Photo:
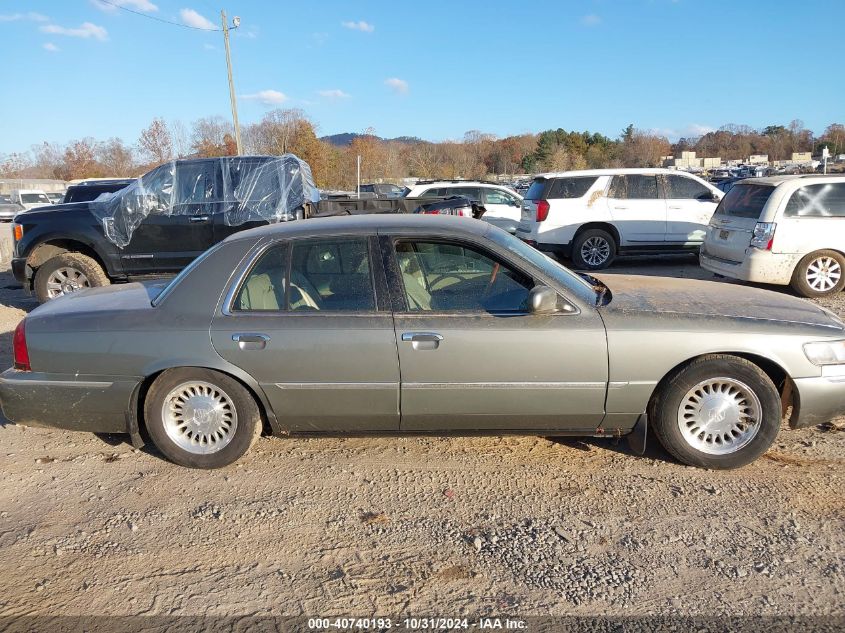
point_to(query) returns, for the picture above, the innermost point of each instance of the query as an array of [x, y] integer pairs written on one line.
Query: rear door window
[[571, 187], [634, 187], [497, 196], [817, 201], [745, 201], [683, 188], [473, 193]]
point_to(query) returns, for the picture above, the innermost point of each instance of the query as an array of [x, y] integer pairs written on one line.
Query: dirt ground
[[418, 526]]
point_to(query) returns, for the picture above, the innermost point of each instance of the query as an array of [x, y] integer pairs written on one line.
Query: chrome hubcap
[[824, 274], [66, 280], [595, 251], [199, 417], [719, 416]]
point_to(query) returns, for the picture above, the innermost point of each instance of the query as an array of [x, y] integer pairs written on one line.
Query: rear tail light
[[764, 235], [542, 210], [19, 345]]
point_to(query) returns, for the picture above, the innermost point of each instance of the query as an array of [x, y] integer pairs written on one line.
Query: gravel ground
[[418, 526]]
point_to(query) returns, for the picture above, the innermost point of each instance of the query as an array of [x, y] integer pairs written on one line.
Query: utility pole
[[359, 176], [235, 23]]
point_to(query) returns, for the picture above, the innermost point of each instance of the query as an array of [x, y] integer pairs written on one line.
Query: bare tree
[[156, 143]]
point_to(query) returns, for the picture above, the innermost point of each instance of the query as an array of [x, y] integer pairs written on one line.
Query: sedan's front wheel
[[717, 412], [201, 418]]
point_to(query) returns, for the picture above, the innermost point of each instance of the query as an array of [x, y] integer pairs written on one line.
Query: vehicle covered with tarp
[[159, 223]]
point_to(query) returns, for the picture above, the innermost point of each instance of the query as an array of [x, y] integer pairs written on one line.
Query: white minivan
[[786, 230], [594, 215]]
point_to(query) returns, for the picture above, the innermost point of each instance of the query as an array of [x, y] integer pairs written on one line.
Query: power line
[[152, 17]]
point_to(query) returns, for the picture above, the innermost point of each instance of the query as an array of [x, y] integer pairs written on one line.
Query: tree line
[[476, 155]]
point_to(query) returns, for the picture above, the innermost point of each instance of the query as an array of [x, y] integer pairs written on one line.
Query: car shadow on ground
[[653, 450]]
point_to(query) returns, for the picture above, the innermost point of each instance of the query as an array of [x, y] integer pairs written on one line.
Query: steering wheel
[[434, 281]]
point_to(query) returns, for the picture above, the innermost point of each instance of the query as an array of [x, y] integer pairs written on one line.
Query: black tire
[[602, 241], [665, 412], [247, 418], [94, 274], [800, 282]]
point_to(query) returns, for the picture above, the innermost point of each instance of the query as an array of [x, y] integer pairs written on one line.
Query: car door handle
[[251, 341], [423, 340], [675, 207], [620, 207], [198, 218]]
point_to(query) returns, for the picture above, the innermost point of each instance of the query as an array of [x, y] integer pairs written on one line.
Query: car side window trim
[[377, 278]]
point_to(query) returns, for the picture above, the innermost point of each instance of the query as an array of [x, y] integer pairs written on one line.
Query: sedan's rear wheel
[[201, 418], [717, 412], [819, 274]]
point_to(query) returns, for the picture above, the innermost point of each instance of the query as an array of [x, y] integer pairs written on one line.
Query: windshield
[[535, 191], [745, 201], [547, 265], [31, 198]]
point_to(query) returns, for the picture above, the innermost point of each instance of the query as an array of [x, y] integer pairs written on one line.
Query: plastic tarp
[[239, 189]]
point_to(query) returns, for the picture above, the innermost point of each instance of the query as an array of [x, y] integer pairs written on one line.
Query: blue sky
[[76, 68]]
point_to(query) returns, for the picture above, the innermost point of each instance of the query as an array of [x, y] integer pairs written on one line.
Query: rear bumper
[[819, 399], [96, 404], [757, 266]]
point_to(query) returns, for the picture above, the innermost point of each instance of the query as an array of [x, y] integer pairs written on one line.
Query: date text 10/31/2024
[[417, 624]]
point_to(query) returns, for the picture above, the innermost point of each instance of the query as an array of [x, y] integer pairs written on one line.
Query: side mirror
[[542, 300]]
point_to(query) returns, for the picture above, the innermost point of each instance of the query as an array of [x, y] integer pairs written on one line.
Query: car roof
[[774, 181], [613, 172], [366, 224]]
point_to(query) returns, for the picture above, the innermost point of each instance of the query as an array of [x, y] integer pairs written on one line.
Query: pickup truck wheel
[[718, 412], [593, 249], [67, 273], [201, 418], [819, 274]]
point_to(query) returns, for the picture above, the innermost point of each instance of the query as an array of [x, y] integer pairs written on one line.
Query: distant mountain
[[346, 138]]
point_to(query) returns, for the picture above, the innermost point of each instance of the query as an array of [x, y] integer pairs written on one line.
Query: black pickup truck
[[157, 224]]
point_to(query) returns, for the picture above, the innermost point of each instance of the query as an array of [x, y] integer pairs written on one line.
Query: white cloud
[[591, 20], [399, 86], [364, 27], [333, 94], [267, 97], [49, 46], [85, 31], [145, 6], [695, 129], [194, 19], [14, 17]]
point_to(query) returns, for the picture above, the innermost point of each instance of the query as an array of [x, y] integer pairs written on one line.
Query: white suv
[[501, 205], [781, 230], [594, 215]]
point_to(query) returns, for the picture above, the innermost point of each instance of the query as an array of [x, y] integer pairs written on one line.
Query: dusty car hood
[[634, 293]]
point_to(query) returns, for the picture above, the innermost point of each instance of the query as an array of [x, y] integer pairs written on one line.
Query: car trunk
[[732, 226]]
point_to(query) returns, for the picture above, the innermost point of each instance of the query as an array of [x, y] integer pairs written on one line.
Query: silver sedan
[[422, 324]]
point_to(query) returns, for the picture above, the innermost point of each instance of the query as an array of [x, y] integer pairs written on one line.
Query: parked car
[[8, 210], [454, 205], [55, 197], [726, 185], [785, 230], [385, 190], [158, 224], [88, 190], [30, 198], [458, 327], [502, 205], [594, 215]]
